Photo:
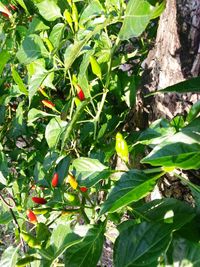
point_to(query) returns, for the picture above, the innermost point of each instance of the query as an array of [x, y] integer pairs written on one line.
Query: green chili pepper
[[121, 147], [25, 261], [30, 240], [41, 210], [95, 67]]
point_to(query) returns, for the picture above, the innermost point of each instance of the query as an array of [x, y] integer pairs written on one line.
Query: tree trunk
[[174, 58]]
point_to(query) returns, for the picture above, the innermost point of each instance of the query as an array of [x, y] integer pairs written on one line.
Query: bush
[[64, 100]]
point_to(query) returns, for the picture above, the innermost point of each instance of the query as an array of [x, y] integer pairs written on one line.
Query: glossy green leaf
[[49, 10], [73, 50], [181, 150], [168, 210], [31, 49], [9, 257], [35, 114], [190, 85], [35, 82], [87, 252], [5, 217], [56, 34], [53, 131], [92, 10], [19, 81], [62, 238], [37, 25], [38, 67], [137, 16], [3, 168], [141, 245], [131, 187], [193, 112], [5, 56], [185, 253], [18, 125], [88, 171]]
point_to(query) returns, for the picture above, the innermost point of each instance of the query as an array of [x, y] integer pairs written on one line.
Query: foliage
[[63, 102]]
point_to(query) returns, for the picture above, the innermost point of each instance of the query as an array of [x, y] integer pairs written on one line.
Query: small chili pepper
[[5, 14], [41, 89], [30, 240], [24, 261], [72, 181], [13, 7], [95, 67], [83, 189], [41, 210], [80, 93], [121, 147], [70, 197], [31, 216], [39, 200], [77, 101], [54, 181], [48, 104]]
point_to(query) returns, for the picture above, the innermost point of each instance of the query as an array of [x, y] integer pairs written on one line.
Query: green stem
[[154, 170]]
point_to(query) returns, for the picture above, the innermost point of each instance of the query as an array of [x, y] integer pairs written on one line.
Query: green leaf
[[194, 112], [18, 126], [73, 50], [37, 25], [168, 210], [141, 245], [63, 238], [94, 9], [137, 16], [5, 217], [35, 114], [38, 67], [31, 49], [188, 86], [19, 81], [3, 168], [49, 10], [35, 82], [42, 232], [185, 253], [131, 187], [9, 257], [56, 34], [88, 251], [5, 56], [53, 131], [62, 169], [88, 171], [181, 150]]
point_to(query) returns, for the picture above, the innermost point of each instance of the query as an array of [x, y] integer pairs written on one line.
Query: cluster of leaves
[[64, 97]]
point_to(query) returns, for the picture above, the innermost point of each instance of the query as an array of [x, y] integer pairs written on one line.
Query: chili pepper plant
[[72, 178]]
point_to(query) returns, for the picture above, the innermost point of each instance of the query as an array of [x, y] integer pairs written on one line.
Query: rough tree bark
[[175, 57]]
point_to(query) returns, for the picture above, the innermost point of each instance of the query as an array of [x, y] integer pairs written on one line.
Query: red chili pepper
[[80, 93], [83, 189], [13, 7], [54, 181], [48, 104], [4, 14], [39, 200], [31, 216]]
